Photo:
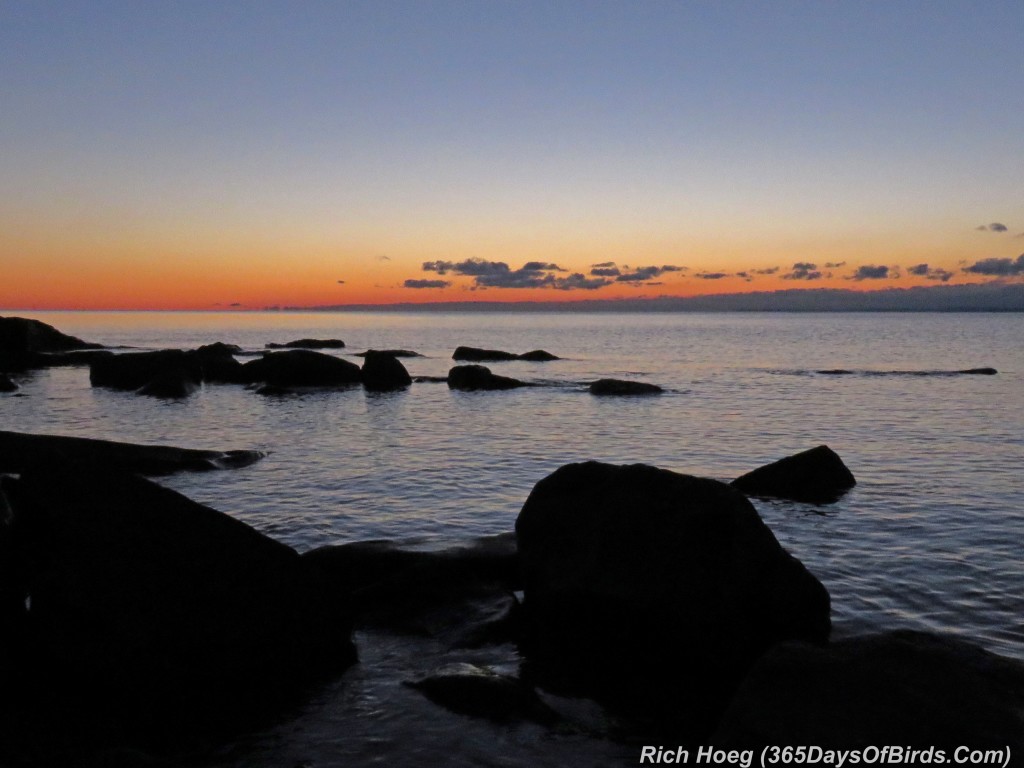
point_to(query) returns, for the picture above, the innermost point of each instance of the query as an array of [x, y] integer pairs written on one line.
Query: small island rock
[[621, 387], [816, 476], [383, 372], [478, 377]]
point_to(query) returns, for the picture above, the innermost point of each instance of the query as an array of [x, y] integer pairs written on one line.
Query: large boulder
[[173, 616], [906, 688], [817, 476], [538, 356], [300, 368], [133, 370], [623, 387], [21, 339], [21, 451], [474, 377], [652, 588], [174, 384], [382, 372], [309, 344], [218, 364]]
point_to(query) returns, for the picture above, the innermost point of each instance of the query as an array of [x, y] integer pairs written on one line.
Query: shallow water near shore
[[929, 539]]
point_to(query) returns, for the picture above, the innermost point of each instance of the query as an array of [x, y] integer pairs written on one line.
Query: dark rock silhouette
[[275, 390], [909, 688], [480, 692], [980, 371], [140, 595], [133, 370], [392, 352], [21, 339], [309, 344], [461, 594], [383, 372], [176, 384], [6, 385], [963, 372], [301, 368], [817, 476], [476, 355], [656, 590], [67, 359], [20, 451], [621, 387], [475, 377], [218, 364]]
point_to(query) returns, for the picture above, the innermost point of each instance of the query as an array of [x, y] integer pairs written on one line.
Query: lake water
[[930, 538]]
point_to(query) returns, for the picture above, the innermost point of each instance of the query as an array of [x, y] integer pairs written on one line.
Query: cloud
[[605, 271], [235, 304], [834, 264], [869, 272], [470, 267], [643, 274], [803, 270], [540, 266], [711, 275], [998, 267], [578, 281], [427, 283], [382, 257], [341, 282], [931, 273], [604, 264], [995, 226], [766, 271]]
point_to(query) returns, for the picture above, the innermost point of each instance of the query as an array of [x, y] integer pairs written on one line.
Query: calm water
[[930, 538]]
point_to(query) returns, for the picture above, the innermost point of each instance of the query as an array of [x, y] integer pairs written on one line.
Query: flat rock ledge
[[20, 451]]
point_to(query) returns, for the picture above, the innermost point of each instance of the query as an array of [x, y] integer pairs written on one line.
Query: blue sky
[[322, 136]]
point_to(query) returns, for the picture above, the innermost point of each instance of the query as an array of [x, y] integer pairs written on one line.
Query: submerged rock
[[621, 387], [6, 384], [474, 377], [139, 595], [170, 385], [301, 368], [22, 339], [20, 451], [480, 692], [383, 372], [133, 370], [654, 589], [391, 352], [817, 476], [476, 355], [309, 344], [908, 688]]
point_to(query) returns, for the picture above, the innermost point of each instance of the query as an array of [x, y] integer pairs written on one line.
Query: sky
[[229, 155]]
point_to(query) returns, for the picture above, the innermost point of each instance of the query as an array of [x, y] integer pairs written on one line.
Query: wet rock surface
[[301, 368], [22, 339], [621, 387], [478, 377], [477, 355], [816, 476], [382, 372]]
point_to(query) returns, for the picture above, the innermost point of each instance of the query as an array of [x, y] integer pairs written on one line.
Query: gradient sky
[[215, 154]]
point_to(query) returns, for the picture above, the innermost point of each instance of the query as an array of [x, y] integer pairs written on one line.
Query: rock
[[474, 377], [392, 352], [480, 692], [310, 344], [21, 339], [6, 385], [170, 385], [980, 371], [476, 355], [301, 368], [461, 594], [218, 363], [140, 595], [652, 589], [133, 370], [621, 387], [67, 359], [20, 451], [817, 476], [274, 390], [383, 372], [912, 689], [538, 356]]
